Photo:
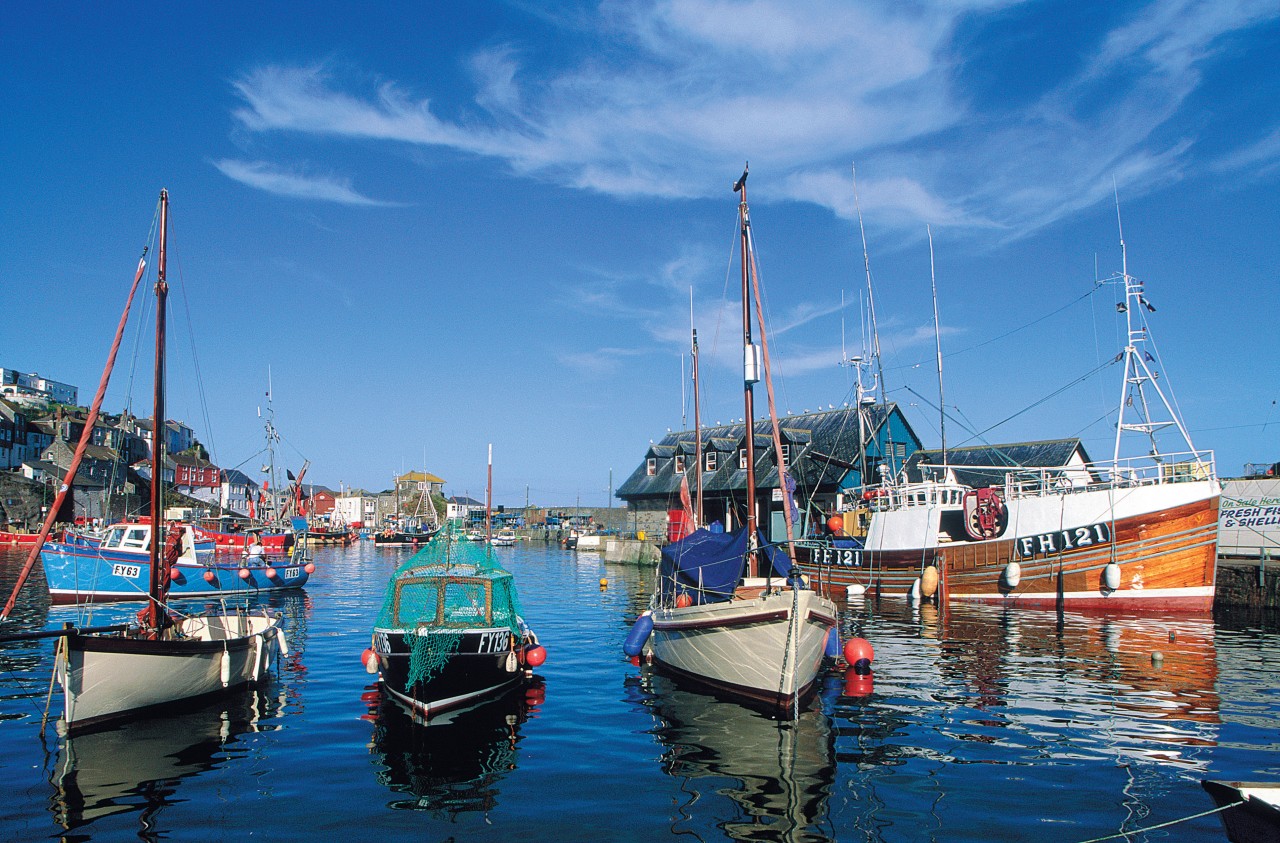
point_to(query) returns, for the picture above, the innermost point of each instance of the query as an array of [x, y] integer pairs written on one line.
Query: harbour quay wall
[[1248, 583]]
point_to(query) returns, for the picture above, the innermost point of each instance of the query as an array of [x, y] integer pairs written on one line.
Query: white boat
[[503, 538], [714, 621], [110, 673]]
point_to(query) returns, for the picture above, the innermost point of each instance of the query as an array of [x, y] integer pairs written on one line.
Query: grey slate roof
[[811, 436], [1049, 453]]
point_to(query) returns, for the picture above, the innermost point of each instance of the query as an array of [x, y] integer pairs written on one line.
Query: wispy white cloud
[[265, 176], [1260, 157], [802, 88]]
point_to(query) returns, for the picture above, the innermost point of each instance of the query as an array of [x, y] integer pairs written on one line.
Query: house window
[[742, 458], [651, 466], [900, 450], [711, 460], [786, 455], [680, 464]]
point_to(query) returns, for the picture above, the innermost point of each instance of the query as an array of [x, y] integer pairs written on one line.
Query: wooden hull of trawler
[[1167, 561]]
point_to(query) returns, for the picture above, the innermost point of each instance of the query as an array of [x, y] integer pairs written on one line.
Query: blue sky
[[443, 225]]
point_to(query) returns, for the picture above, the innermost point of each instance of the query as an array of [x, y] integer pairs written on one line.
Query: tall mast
[[1137, 374], [488, 498], [156, 589], [697, 422], [937, 339], [751, 369]]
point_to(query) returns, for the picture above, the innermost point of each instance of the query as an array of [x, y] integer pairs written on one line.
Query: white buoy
[[915, 590], [224, 669], [1012, 574], [855, 590], [1111, 576]]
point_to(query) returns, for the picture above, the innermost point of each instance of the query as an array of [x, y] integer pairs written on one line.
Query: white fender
[[1111, 576], [224, 669], [855, 590], [1012, 574]]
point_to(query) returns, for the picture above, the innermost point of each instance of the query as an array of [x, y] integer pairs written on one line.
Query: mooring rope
[[1127, 834]]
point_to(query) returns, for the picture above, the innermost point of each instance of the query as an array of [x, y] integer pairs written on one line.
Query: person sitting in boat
[[255, 551]]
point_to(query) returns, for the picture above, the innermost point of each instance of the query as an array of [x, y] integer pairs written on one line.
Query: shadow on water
[[775, 775], [456, 763], [139, 767]]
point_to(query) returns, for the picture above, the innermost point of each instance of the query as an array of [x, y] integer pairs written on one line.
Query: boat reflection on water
[[456, 763], [776, 774], [138, 766]]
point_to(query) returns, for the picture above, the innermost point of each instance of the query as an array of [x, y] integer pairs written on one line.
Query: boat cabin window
[[466, 603], [136, 537], [113, 537]]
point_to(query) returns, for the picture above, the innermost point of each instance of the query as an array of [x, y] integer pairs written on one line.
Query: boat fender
[[309, 568], [175, 575], [1012, 574], [855, 590], [534, 656], [245, 573], [370, 659], [512, 662], [271, 574], [915, 590], [640, 631], [859, 650], [224, 669], [1111, 577], [832, 649], [284, 645], [210, 576], [929, 581]]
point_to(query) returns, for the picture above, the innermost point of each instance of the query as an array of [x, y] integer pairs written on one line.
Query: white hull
[[105, 677], [757, 648]]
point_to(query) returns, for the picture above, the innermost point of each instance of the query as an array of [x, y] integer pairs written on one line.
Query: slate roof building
[[825, 453]]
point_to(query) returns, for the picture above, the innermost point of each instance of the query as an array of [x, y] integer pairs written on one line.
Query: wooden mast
[[156, 589], [751, 372]]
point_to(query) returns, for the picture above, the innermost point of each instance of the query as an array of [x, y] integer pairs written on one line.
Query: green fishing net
[[442, 591]]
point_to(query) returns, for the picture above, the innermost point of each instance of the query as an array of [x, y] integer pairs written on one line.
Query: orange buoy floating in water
[[370, 659], [859, 653]]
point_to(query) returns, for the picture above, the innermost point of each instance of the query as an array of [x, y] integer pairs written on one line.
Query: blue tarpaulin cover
[[709, 565]]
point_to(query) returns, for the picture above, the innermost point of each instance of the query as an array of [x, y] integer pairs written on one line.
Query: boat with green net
[[450, 633]]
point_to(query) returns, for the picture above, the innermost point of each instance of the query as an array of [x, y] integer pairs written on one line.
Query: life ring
[[985, 515]]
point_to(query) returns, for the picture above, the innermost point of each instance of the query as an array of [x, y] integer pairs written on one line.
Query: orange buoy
[[857, 649], [370, 659], [534, 656], [683, 600], [271, 573], [929, 581], [245, 574], [209, 575], [309, 568], [835, 524]]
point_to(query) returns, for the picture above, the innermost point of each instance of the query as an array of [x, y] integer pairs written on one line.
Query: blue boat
[[118, 568]]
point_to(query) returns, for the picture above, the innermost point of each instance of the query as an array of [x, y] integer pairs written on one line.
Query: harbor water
[[978, 725]]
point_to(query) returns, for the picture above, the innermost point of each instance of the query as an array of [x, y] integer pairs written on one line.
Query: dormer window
[[651, 466], [742, 458], [680, 466], [786, 455], [711, 460]]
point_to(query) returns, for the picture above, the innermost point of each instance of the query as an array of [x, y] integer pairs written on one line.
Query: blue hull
[[78, 574]]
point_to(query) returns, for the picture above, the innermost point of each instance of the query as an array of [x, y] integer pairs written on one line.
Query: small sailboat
[[119, 671], [730, 611], [450, 633]]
